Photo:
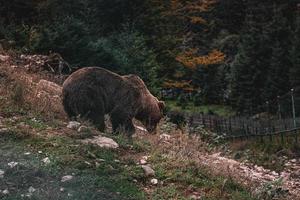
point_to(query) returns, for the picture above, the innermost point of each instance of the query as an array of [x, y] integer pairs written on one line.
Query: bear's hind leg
[[98, 120]]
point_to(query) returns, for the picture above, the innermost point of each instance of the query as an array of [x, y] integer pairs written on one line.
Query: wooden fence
[[244, 127]]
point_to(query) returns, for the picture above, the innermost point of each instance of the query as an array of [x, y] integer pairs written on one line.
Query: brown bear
[[92, 92]]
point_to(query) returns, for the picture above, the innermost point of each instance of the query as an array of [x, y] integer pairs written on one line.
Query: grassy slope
[[98, 173]]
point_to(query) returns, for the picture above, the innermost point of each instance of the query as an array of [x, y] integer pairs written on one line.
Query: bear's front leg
[[122, 123]]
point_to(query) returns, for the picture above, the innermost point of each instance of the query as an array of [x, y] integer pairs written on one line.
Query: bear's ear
[[161, 105]]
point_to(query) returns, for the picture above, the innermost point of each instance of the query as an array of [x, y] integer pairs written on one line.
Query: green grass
[[219, 110], [183, 178], [269, 154], [93, 177]]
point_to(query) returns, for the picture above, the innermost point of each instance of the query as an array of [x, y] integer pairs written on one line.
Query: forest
[[240, 53]]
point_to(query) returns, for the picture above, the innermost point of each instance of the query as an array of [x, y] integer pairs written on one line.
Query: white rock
[[1, 173], [62, 189], [31, 189], [148, 170], [46, 160], [154, 181], [66, 178], [27, 153], [40, 152], [143, 162], [83, 129], [4, 130], [12, 164], [73, 125], [4, 58], [5, 191], [165, 137], [102, 142]]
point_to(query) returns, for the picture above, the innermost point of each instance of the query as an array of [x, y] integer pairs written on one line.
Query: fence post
[[293, 106]]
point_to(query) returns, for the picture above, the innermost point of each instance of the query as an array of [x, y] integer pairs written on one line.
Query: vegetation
[[238, 53]]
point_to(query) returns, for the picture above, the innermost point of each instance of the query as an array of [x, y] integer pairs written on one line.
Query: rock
[[4, 58], [62, 189], [46, 160], [12, 164], [143, 161], [31, 189], [83, 129], [27, 153], [66, 178], [4, 130], [102, 142], [1, 173], [194, 197], [40, 152], [148, 170], [154, 181], [73, 125], [5, 191], [165, 137]]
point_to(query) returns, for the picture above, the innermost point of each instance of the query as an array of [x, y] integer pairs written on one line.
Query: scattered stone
[[12, 164], [143, 161], [154, 181], [66, 178], [83, 129], [5, 191], [1, 173], [88, 163], [73, 125], [40, 152], [4, 58], [27, 153], [102, 142], [31, 189], [148, 170], [195, 197], [165, 137], [62, 189], [46, 160], [4, 130], [117, 161]]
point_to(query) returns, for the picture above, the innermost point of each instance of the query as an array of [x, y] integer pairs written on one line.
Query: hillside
[[44, 158]]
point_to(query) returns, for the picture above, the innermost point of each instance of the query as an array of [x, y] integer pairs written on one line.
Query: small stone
[[62, 189], [73, 125], [66, 178], [154, 181], [148, 170], [31, 189], [4, 130], [117, 161], [46, 160], [103, 142], [40, 152], [83, 129], [1, 173], [70, 195], [12, 164], [165, 137], [143, 162], [27, 153], [5, 191]]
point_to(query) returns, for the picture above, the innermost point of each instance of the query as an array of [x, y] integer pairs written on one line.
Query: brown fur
[[93, 92]]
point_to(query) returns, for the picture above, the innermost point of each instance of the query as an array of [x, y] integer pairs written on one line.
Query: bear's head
[[150, 109], [151, 113]]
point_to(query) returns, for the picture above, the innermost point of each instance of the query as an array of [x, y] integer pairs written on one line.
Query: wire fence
[[281, 117]]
